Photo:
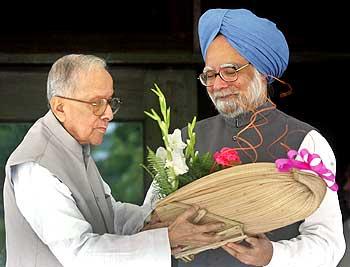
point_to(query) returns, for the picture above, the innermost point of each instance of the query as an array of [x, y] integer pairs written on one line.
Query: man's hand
[[258, 252], [155, 223], [183, 233]]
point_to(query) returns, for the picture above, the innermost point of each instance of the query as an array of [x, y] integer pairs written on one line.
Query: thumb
[[176, 250], [154, 218], [262, 236], [252, 241]]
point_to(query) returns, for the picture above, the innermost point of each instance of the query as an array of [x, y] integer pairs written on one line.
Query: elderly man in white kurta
[[58, 209]]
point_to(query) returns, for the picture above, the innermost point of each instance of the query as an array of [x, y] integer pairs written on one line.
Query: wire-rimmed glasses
[[99, 106], [227, 72]]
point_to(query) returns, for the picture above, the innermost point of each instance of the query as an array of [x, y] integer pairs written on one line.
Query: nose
[[108, 114], [219, 83]]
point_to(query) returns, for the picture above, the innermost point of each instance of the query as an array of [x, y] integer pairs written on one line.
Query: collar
[[243, 119], [64, 137]]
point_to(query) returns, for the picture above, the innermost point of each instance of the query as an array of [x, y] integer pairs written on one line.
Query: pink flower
[[227, 157]]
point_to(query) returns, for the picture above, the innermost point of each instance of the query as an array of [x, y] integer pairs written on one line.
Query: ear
[[58, 108]]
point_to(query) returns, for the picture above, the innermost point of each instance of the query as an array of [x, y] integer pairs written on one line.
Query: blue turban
[[256, 39]]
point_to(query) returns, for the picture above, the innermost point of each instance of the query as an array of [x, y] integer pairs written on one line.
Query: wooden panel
[[23, 94], [23, 91]]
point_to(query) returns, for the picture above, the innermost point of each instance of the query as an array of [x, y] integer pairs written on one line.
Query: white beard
[[243, 102]]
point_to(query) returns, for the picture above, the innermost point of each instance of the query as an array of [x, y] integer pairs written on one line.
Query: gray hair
[[64, 73]]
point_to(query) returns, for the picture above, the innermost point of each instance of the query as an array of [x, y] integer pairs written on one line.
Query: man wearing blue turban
[[244, 53]]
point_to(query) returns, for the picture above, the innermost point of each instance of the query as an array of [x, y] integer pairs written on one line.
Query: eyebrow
[[207, 68], [233, 65]]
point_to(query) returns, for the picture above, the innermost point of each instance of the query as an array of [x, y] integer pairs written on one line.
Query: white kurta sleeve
[[128, 218], [321, 241], [49, 208]]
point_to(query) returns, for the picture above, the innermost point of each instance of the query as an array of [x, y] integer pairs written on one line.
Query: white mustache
[[221, 94]]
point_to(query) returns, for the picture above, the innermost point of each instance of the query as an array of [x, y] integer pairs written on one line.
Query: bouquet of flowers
[[177, 163], [249, 198]]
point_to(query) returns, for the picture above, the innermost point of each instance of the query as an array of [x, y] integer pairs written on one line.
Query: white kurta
[[321, 240], [49, 208]]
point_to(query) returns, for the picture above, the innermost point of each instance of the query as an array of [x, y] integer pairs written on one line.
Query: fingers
[[205, 239], [244, 258], [154, 218], [183, 232], [230, 251], [238, 248], [210, 227], [176, 250], [188, 214], [252, 241], [258, 252]]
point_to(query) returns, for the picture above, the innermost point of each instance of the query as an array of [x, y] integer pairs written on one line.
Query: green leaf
[[156, 168]]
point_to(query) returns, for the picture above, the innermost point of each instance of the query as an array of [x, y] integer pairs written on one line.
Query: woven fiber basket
[[251, 198]]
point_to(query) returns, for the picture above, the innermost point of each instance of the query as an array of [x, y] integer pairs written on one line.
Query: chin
[[96, 141], [96, 138], [229, 111]]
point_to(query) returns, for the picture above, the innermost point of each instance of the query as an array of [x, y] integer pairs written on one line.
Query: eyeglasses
[[99, 107], [227, 72]]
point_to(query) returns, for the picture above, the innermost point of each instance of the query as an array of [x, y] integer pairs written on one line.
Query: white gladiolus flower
[[178, 163], [161, 153], [175, 141]]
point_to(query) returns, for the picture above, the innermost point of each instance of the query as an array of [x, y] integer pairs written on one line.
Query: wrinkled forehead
[[97, 83]]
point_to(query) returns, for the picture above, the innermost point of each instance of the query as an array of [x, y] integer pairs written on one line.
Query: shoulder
[[33, 144], [294, 122], [316, 143], [34, 178], [204, 125], [209, 121]]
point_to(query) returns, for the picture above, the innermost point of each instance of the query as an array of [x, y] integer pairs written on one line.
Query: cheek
[[242, 84], [86, 128], [91, 126], [210, 90]]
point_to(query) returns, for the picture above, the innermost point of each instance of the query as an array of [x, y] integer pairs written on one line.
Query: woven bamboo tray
[[251, 198]]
